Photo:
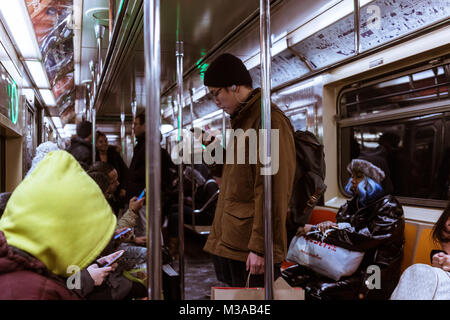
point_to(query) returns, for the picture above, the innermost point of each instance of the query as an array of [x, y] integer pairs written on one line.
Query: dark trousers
[[233, 273]]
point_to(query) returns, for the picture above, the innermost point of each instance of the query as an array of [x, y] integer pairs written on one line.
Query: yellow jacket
[[59, 215]]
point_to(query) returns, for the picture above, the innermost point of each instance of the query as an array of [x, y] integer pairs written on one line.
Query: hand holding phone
[[117, 236], [141, 195], [116, 257]]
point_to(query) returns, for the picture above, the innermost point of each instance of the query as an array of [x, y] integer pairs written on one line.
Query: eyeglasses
[[214, 94]]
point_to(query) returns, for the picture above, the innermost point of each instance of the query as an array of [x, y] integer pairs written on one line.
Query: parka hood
[[59, 215]]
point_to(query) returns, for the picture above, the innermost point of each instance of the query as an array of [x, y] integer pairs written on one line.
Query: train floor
[[198, 268]]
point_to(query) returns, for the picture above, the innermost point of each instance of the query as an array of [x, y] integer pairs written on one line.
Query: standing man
[[237, 234], [136, 174], [81, 144]]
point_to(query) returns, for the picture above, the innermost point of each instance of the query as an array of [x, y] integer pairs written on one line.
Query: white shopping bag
[[326, 259]]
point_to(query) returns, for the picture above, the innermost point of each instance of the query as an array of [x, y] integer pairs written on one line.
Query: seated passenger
[[374, 225], [48, 230], [107, 153], [424, 282], [110, 194]]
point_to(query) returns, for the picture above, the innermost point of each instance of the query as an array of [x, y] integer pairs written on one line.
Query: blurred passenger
[[372, 222], [4, 197], [109, 154], [136, 174], [136, 177], [81, 144], [106, 168], [424, 282], [237, 233], [48, 230], [41, 152]]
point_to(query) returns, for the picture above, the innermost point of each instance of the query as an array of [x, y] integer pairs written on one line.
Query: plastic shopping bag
[[326, 259]]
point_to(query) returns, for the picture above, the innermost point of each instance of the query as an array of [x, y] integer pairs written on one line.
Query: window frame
[[427, 108]]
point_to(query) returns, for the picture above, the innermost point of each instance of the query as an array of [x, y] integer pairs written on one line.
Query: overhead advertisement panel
[[52, 22], [382, 21]]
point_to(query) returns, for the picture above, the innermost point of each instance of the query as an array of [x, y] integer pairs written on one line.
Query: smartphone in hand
[[117, 236], [141, 195], [114, 259]]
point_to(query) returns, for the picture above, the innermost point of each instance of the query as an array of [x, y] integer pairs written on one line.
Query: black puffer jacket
[[135, 181], [81, 150], [376, 229]]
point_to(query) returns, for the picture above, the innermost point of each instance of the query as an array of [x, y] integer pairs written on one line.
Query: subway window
[[405, 119]]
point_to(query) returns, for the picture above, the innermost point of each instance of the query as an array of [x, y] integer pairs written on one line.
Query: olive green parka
[[238, 225]]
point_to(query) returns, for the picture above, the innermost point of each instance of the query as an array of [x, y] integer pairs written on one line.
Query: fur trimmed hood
[[367, 168]]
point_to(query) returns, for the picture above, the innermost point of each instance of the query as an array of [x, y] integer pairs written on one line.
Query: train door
[[30, 137]]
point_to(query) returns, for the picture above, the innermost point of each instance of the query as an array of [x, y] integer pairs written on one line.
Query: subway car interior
[[360, 75]]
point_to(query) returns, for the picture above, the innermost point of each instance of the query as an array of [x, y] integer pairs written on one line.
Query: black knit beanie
[[84, 129], [227, 70]]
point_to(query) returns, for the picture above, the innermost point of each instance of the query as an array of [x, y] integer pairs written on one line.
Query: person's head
[[59, 225], [109, 171], [101, 179], [389, 140], [84, 130], [441, 230], [365, 180], [139, 125], [41, 151], [101, 142], [228, 81]]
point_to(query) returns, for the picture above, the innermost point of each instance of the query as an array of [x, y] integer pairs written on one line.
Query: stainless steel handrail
[[265, 88], [211, 199], [179, 54], [152, 53]]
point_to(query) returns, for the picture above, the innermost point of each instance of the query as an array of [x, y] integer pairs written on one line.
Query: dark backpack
[[309, 178]]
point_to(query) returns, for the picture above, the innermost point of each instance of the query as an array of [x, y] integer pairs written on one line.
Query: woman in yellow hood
[[56, 221]]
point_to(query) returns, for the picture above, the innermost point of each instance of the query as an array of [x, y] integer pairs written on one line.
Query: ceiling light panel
[[49, 98], [38, 74], [20, 28]]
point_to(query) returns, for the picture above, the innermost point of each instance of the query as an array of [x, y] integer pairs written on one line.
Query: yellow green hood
[[59, 215]]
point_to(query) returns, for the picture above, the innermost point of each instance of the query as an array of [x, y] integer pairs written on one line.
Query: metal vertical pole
[[357, 26], [123, 141], [152, 147], [179, 55], [133, 98], [112, 16], [99, 32], [265, 86], [94, 118], [88, 101], [224, 129], [191, 109]]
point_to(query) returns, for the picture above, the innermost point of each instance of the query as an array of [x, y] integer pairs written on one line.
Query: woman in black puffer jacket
[[372, 222]]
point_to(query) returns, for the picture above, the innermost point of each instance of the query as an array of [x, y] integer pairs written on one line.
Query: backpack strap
[[312, 201]]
